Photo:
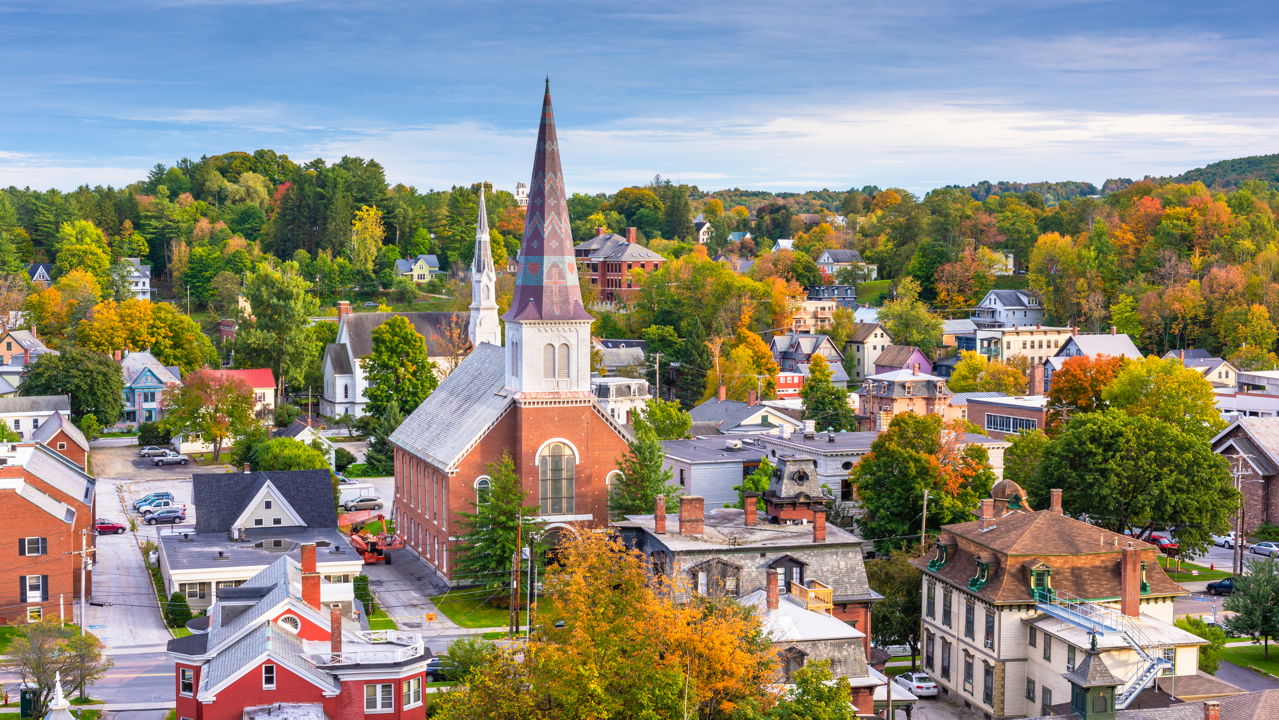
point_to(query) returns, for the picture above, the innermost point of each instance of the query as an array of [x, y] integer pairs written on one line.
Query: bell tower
[[484, 326]]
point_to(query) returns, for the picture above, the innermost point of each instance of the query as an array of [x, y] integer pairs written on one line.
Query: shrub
[[1210, 654], [177, 612], [150, 433], [343, 459], [285, 414], [364, 595], [1265, 532], [90, 426], [464, 655]]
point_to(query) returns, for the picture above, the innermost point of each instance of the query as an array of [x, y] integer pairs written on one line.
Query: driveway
[[123, 462]]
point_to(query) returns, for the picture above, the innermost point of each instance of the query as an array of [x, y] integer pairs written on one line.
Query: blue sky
[[780, 96]]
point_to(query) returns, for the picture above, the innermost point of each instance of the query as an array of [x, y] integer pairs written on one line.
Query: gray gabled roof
[[458, 412], [139, 270], [1188, 354], [60, 473], [35, 403], [220, 498], [55, 422], [1113, 344], [897, 355], [842, 256], [863, 331], [135, 364], [338, 358], [436, 327], [292, 430]]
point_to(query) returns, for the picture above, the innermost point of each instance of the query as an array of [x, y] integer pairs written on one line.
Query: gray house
[[711, 466]]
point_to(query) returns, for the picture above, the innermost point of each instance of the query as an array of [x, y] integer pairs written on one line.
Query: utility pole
[[515, 573], [923, 523], [657, 374], [85, 564], [528, 600]]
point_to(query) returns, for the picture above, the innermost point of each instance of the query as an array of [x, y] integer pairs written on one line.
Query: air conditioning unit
[[733, 444]]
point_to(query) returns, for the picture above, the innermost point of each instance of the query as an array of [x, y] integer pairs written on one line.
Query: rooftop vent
[[221, 556]]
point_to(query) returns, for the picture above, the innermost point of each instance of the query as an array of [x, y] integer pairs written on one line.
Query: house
[[1234, 404], [844, 296], [701, 230], [139, 278], [262, 382], [1256, 705], [884, 395], [24, 414], [20, 348], [732, 417], [60, 435], [1251, 444], [1091, 344], [344, 379], [521, 193], [784, 244], [608, 259], [809, 316], [867, 343], [1018, 600], [276, 647], [903, 357], [419, 269], [1036, 343], [54, 500], [624, 357], [41, 273], [243, 522], [308, 434], [1008, 308], [145, 380], [712, 465], [739, 265], [1219, 372], [805, 578], [739, 236], [1004, 417], [530, 399], [621, 397], [952, 330], [793, 353], [830, 262]]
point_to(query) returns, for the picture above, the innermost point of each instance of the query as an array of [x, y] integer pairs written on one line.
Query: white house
[[139, 278], [868, 342], [24, 414], [621, 397], [1008, 308], [834, 260]]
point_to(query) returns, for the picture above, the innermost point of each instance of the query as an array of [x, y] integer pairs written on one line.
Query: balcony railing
[[395, 647], [816, 596]]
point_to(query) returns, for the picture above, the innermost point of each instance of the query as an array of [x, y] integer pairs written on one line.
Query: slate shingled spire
[[546, 286]]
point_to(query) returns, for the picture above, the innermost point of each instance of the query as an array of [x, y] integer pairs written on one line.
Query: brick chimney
[[750, 508], [986, 515], [344, 309], [914, 368], [1113, 330], [1181, 355], [632, 235], [1130, 581], [1054, 501], [1037, 379], [310, 577], [752, 398], [819, 525], [600, 231], [246, 468], [659, 515], [722, 393], [117, 355], [772, 589], [1212, 710], [691, 516], [335, 630]]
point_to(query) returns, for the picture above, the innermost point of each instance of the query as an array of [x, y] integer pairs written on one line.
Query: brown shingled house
[[1015, 600]]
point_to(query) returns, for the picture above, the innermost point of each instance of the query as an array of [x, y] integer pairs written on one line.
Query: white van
[[354, 491]]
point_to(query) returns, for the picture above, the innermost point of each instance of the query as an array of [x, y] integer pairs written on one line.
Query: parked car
[[152, 451], [1266, 548], [918, 683], [1226, 541], [159, 505], [1225, 586], [363, 503], [170, 516], [148, 499], [435, 669], [108, 527], [171, 458], [1167, 545]]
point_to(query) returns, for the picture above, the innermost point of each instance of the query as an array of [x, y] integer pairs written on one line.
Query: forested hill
[[1065, 190], [1230, 174]]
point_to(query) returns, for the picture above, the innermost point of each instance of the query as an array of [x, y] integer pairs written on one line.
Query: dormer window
[[979, 580], [1041, 577], [943, 550]]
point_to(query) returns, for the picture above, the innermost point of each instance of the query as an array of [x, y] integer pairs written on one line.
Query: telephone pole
[[657, 374], [515, 573], [86, 564], [923, 523]]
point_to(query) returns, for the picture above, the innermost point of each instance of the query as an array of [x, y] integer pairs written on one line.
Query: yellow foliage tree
[[367, 232]]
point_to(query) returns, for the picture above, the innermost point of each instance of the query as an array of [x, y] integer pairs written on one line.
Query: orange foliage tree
[[1078, 385]]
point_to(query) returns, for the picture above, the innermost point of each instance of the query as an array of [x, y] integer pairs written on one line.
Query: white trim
[[256, 662], [259, 497], [476, 485], [577, 456]]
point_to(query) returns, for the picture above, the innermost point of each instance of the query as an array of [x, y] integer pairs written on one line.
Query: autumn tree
[[397, 367], [46, 649], [908, 320], [1167, 391], [91, 379], [367, 233], [977, 373], [824, 403], [209, 403], [644, 475], [489, 532], [143, 325], [1077, 386]]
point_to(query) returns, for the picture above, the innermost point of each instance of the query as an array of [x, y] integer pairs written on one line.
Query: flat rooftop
[[1030, 402], [842, 443], [192, 550], [727, 527], [714, 448]]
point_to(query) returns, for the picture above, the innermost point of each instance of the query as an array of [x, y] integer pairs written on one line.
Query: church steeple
[[484, 326], [548, 330]]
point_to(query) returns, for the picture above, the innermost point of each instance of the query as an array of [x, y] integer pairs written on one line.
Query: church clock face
[[800, 477]]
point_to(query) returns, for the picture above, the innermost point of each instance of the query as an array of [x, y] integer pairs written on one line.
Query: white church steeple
[[484, 326]]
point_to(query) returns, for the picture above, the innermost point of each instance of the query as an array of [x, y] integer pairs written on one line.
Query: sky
[[764, 95]]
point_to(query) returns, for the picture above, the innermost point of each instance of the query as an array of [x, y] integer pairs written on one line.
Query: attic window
[[1145, 585], [978, 581], [936, 563], [1041, 583], [291, 623]]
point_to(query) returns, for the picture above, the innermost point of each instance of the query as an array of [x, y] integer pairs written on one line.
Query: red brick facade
[[63, 445]]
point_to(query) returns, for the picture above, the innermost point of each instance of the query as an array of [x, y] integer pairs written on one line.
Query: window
[[556, 467], [792, 660], [17, 423], [35, 423], [266, 504], [346, 391], [716, 578], [268, 677], [194, 591], [945, 607], [989, 641], [548, 362], [988, 684], [928, 650], [968, 672], [1170, 654], [148, 396], [379, 697], [1030, 689], [412, 692], [1034, 632], [1046, 700], [1009, 424], [969, 611], [186, 682], [34, 613], [482, 487], [945, 659], [1070, 658], [62, 446], [932, 599], [32, 546], [561, 367], [1048, 648], [257, 521], [34, 588]]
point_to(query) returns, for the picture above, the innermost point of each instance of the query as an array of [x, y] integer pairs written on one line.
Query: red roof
[[254, 377]]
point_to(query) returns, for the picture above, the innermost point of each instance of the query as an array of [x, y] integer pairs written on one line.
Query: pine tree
[[824, 404], [643, 475], [489, 534], [694, 363], [380, 457]]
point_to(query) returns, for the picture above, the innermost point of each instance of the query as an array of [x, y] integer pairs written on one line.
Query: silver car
[[1266, 548], [364, 503], [918, 683]]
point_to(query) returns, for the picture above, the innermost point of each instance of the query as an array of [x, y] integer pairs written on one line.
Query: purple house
[[903, 357]]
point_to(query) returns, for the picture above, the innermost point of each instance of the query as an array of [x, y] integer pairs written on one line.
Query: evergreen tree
[[694, 363], [489, 533], [380, 457], [643, 476], [824, 404], [678, 222]]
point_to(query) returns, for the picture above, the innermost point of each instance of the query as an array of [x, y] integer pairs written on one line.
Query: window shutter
[[44, 588], [22, 547], [22, 587], [44, 546]]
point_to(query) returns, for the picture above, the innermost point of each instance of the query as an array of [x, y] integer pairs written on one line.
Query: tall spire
[[483, 326], [546, 285]]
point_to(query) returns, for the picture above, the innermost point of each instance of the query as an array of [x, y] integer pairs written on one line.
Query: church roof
[[546, 285], [457, 413]]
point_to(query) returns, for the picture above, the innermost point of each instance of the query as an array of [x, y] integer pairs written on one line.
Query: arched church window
[[482, 487], [548, 361], [561, 367], [556, 467]]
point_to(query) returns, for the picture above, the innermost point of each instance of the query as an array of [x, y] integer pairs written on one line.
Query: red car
[[108, 527]]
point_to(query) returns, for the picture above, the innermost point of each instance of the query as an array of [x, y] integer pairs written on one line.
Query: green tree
[[92, 380], [1022, 462], [1129, 471], [214, 405], [177, 611], [1168, 391], [92, 259], [397, 367], [380, 457], [644, 476], [826, 405], [757, 482], [667, 418], [277, 331], [818, 695], [488, 540], [1209, 654], [290, 454], [464, 655], [1255, 602], [90, 426], [694, 363], [908, 320], [976, 373], [895, 620]]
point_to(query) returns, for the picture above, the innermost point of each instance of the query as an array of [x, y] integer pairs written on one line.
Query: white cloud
[[65, 177]]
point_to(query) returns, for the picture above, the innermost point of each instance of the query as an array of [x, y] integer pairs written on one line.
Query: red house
[[59, 435], [272, 650], [608, 259]]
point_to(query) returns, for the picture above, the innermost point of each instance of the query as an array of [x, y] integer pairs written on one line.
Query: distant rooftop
[[726, 526]]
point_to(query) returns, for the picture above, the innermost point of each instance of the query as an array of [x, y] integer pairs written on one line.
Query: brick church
[[530, 397]]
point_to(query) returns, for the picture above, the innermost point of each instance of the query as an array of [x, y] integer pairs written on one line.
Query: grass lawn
[[180, 632], [1253, 656], [896, 670], [7, 634], [86, 701], [872, 291], [381, 621], [471, 610], [1186, 571], [173, 715]]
